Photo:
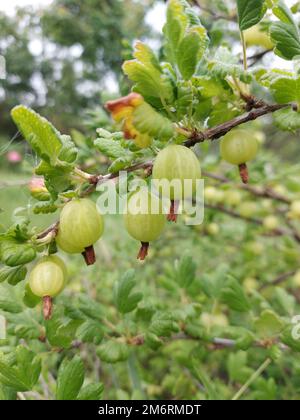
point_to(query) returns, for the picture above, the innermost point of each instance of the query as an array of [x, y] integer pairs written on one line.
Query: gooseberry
[[179, 166], [80, 227], [47, 279], [144, 219], [271, 222], [238, 147]]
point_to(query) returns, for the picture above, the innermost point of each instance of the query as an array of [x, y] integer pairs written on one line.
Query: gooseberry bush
[[206, 316]]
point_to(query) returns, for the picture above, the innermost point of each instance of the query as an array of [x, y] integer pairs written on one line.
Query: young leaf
[[23, 373], [287, 119], [127, 301], [286, 38], [14, 254], [190, 51], [92, 392], [186, 270], [9, 301], [250, 12], [233, 295], [59, 334], [13, 275], [145, 71], [70, 379], [90, 332], [45, 140], [286, 89], [269, 324], [113, 351]]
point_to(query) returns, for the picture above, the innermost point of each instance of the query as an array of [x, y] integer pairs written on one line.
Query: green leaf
[[45, 140], [113, 351], [13, 253], [269, 324], [121, 163], [225, 64], [283, 13], [286, 38], [148, 76], [57, 178], [199, 373], [90, 332], [233, 295], [285, 301], [92, 392], [59, 334], [7, 394], [163, 324], [29, 299], [191, 50], [185, 271], [286, 89], [174, 29], [23, 373], [127, 301], [237, 367], [110, 148], [70, 379], [250, 12], [13, 275], [288, 120], [9, 301]]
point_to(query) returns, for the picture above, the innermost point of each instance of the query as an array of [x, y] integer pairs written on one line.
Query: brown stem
[[143, 252], [47, 307], [222, 129], [89, 255], [173, 213], [244, 174]]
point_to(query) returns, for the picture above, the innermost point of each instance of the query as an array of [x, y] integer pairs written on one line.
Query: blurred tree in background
[[61, 58]]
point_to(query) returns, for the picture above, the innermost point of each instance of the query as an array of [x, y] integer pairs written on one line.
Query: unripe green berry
[[140, 222], [238, 147], [176, 162], [80, 226], [48, 277]]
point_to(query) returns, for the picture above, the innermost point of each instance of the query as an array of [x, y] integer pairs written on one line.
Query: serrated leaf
[[237, 367], [111, 148], [286, 89], [233, 295], [90, 332], [286, 38], [70, 379], [269, 324], [174, 29], [127, 301], [250, 12], [191, 50], [288, 120], [91, 392], [225, 64], [113, 351], [43, 137], [13, 253], [148, 76], [185, 271], [7, 394], [61, 334], [23, 373], [9, 301], [13, 275], [121, 163]]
